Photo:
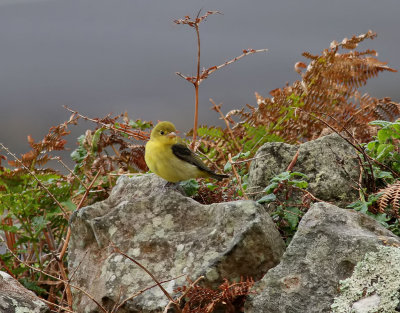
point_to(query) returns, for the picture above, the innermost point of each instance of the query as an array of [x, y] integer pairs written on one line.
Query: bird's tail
[[218, 176]]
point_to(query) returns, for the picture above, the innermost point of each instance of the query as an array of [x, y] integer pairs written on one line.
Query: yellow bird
[[171, 159]]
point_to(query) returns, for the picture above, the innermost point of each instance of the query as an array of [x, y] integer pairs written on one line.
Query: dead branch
[[238, 179], [66, 242], [138, 293], [117, 250], [138, 135]]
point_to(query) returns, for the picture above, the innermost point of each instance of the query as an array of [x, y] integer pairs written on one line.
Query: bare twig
[[138, 135], [293, 162], [190, 287], [116, 308], [209, 160], [51, 244], [238, 179], [217, 108], [183, 295], [356, 146], [314, 198], [117, 250], [211, 70], [248, 160], [196, 85], [58, 159], [61, 308], [67, 238]]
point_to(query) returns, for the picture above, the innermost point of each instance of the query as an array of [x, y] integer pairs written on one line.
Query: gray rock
[[329, 162], [325, 249], [15, 298], [170, 235]]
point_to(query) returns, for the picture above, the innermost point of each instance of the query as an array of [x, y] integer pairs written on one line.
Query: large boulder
[[330, 163], [170, 235], [15, 298], [327, 246]]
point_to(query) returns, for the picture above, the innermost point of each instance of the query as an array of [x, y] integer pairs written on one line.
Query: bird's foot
[[174, 186], [171, 185]]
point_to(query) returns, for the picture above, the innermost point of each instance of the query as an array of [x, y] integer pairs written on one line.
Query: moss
[[375, 281]]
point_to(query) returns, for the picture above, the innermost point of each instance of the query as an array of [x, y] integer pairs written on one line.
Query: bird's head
[[164, 132]]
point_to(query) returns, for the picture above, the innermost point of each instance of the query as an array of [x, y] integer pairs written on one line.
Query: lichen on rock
[[374, 285]]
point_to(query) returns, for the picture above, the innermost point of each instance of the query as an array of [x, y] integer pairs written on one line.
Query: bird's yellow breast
[[161, 161]]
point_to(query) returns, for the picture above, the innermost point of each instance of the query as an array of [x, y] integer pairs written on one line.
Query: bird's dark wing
[[185, 154]]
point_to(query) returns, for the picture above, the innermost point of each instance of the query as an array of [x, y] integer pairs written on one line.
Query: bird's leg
[[170, 185], [176, 186]]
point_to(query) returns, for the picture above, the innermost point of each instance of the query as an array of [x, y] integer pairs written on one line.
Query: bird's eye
[[162, 132]]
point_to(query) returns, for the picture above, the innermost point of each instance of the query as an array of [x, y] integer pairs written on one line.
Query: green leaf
[[211, 186], [299, 183], [212, 132], [384, 150], [191, 187], [293, 174], [69, 205], [228, 167], [292, 215], [271, 187], [382, 218], [268, 198], [380, 123], [96, 138], [372, 145], [79, 153], [38, 223], [241, 155], [32, 286], [11, 229], [139, 124], [281, 177], [361, 206], [383, 174], [384, 134]]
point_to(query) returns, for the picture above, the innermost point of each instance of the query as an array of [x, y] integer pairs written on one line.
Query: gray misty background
[[102, 56]]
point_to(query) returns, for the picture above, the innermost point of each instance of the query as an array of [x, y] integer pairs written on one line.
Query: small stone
[[366, 304]]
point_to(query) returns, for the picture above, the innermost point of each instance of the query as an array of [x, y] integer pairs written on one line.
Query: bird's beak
[[171, 135]]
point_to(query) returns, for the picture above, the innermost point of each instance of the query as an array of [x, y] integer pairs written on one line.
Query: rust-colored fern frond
[[38, 155], [329, 85], [390, 198], [386, 109], [229, 297]]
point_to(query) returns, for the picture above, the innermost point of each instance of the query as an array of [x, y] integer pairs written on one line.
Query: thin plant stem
[[218, 109], [117, 250], [68, 237], [238, 179]]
